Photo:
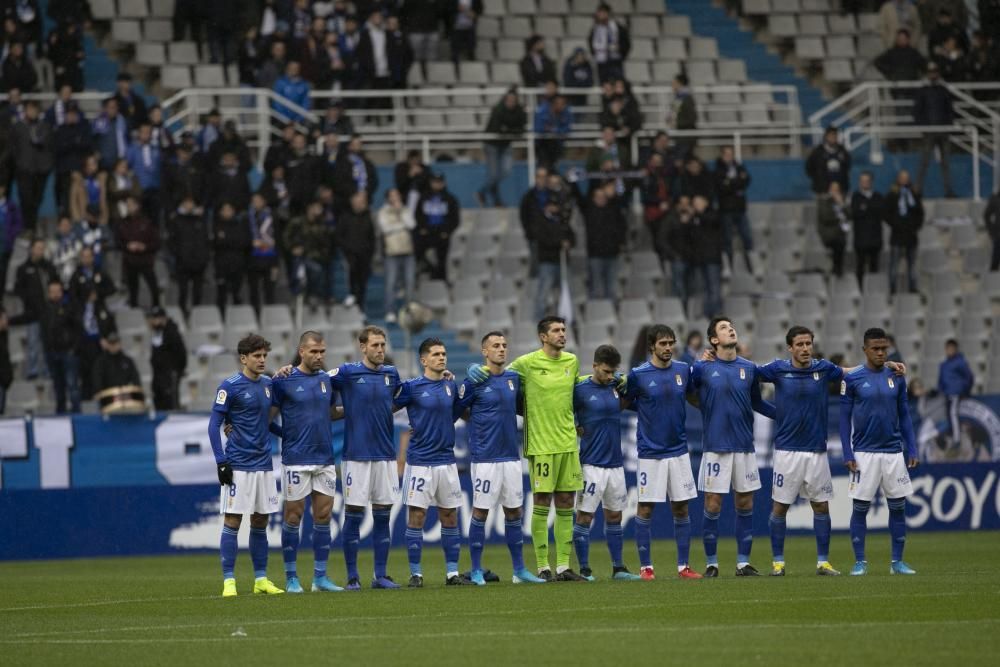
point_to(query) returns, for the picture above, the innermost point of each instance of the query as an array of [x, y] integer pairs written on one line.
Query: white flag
[[565, 298]]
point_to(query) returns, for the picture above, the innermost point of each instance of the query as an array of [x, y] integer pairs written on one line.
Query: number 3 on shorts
[[541, 469]]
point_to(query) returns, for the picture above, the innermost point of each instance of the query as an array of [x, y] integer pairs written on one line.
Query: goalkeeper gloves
[[477, 373]]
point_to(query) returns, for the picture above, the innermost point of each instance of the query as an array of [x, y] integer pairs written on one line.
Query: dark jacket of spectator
[[400, 54], [18, 72], [232, 242], [31, 284], [65, 50], [183, 177], [406, 181], [304, 172], [58, 327], [731, 183], [504, 120], [826, 164], [578, 73], [86, 279], [169, 357], [355, 233], [706, 237], [6, 367], [314, 237], [348, 176], [867, 214], [550, 230], [905, 215], [536, 71], [901, 63], [700, 184], [605, 226], [955, 377], [229, 184], [832, 220], [421, 16], [932, 105], [437, 212], [33, 147], [991, 217], [73, 143], [188, 240], [142, 230], [114, 369]]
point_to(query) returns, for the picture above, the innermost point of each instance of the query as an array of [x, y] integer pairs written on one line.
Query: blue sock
[[321, 548], [682, 533], [613, 534], [290, 547], [822, 527], [414, 548], [451, 542], [897, 526], [710, 536], [581, 541], [227, 551], [777, 525], [744, 535], [514, 532], [642, 538], [352, 536], [382, 540], [477, 538], [859, 527], [258, 551]]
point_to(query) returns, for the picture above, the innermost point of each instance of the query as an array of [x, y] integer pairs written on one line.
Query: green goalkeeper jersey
[[548, 401]]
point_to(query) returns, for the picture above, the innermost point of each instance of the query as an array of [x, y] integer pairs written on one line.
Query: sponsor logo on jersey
[[334, 372], [461, 391], [865, 385], [715, 374], [298, 389], [424, 394], [652, 383], [743, 374], [246, 394], [593, 398], [360, 381], [488, 390], [789, 375], [220, 398]]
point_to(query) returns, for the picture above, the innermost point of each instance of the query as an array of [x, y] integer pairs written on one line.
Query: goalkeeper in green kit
[[548, 377]]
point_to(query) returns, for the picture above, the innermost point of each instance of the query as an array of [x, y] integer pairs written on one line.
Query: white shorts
[[500, 482], [426, 486], [602, 486], [251, 492], [297, 482], [805, 474], [663, 479], [719, 470], [375, 482], [877, 470]]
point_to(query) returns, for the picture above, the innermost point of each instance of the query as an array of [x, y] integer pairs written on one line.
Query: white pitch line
[[511, 633], [102, 603]]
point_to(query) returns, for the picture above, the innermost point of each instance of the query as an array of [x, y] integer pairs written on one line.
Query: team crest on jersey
[[220, 398], [386, 380], [447, 390], [334, 372], [566, 372], [510, 383], [843, 387], [743, 374], [615, 392], [323, 387], [461, 391], [267, 392], [678, 380], [891, 385], [816, 377]]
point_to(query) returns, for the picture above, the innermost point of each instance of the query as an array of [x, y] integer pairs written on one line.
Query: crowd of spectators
[[23, 43]]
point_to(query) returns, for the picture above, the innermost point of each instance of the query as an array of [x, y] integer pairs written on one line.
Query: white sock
[[741, 564], [562, 568]]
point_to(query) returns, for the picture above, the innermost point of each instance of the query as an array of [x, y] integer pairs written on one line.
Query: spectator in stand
[[529, 210], [145, 161], [92, 320], [707, 241], [731, 182], [73, 145], [625, 119], [275, 191], [111, 134], [683, 114], [249, 57], [412, 179], [437, 216], [222, 23], [606, 229], [230, 141], [33, 151], [554, 122], [354, 172], [59, 336], [55, 115], [896, 15], [210, 132], [229, 184], [508, 119], [67, 54], [553, 236], [189, 244], [867, 216], [983, 62], [606, 148], [183, 177], [273, 67], [232, 244], [130, 103], [6, 367], [656, 199], [833, 220], [578, 72], [347, 47], [89, 277], [461, 23], [11, 112], [168, 359], [300, 20], [828, 162], [609, 44], [946, 28], [122, 184], [905, 215], [160, 135], [955, 382], [18, 71], [309, 239], [421, 20], [140, 239], [64, 248], [355, 237], [373, 59], [902, 62], [661, 147], [952, 61], [932, 106], [93, 233], [113, 368], [395, 226], [313, 56], [991, 216], [334, 262], [537, 69], [189, 14], [696, 181], [89, 187], [10, 226], [31, 286], [304, 173], [336, 122], [677, 241], [295, 89], [262, 276]]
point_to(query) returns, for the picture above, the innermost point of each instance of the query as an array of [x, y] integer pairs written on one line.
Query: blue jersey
[[246, 405], [802, 401], [304, 400], [729, 392], [492, 430], [430, 406], [367, 397], [873, 404], [659, 396], [597, 409]]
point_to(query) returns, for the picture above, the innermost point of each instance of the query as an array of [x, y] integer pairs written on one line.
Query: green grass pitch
[[167, 610]]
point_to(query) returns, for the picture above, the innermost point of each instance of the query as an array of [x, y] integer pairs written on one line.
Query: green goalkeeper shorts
[[555, 472]]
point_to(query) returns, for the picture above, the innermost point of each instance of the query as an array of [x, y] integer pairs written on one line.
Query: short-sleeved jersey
[[367, 398], [802, 402], [875, 403], [548, 386], [304, 400], [728, 391], [492, 429], [598, 412], [247, 406], [659, 397], [430, 406]]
